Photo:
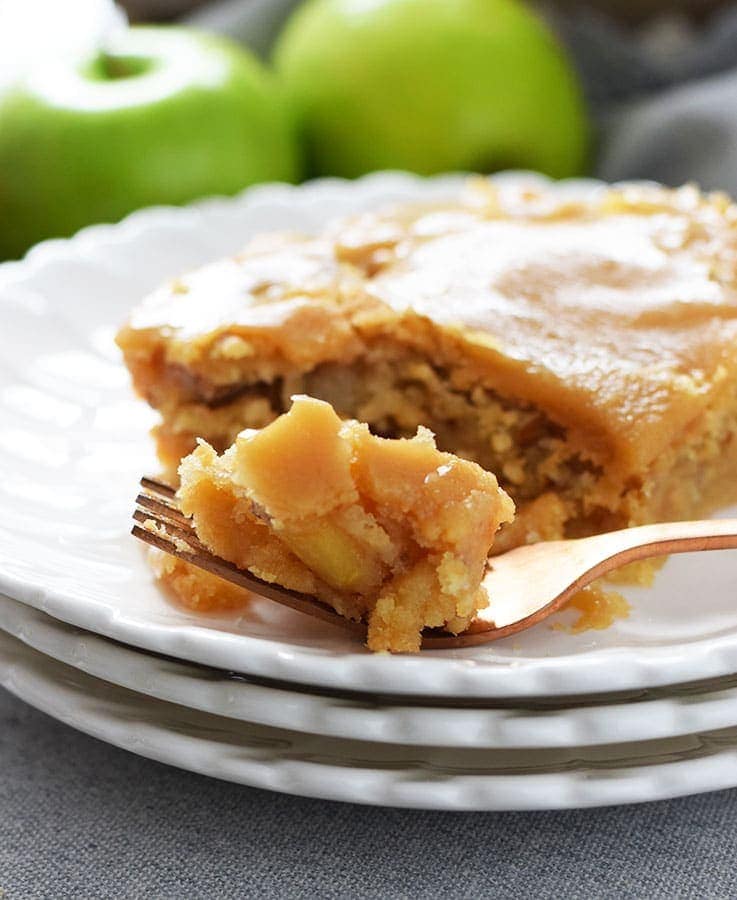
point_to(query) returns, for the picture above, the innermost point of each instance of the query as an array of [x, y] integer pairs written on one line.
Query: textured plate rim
[[424, 675], [362, 717], [360, 772]]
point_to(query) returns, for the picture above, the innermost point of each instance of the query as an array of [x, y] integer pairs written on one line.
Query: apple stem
[[111, 67]]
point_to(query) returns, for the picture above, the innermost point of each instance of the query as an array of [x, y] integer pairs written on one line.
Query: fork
[[526, 585]]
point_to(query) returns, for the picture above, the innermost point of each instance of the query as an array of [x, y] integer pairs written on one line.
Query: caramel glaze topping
[[614, 310]]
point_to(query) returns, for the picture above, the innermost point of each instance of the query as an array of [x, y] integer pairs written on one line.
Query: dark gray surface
[[80, 819]]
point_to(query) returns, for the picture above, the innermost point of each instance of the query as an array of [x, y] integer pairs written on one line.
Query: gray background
[[81, 819]]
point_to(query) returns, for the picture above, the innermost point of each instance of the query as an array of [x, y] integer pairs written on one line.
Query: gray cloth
[[618, 64], [81, 819], [253, 22], [688, 134], [665, 98]]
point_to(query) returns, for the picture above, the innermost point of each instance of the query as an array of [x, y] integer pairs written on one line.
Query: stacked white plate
[[643, 710]]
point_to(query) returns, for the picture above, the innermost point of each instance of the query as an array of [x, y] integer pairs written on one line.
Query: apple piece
[[164, 115], [431, 86]]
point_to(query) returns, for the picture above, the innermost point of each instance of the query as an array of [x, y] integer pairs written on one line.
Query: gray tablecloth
[[81, 819]]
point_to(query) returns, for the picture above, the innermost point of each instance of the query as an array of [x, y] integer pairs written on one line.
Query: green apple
[[164, 115], [431, 85]]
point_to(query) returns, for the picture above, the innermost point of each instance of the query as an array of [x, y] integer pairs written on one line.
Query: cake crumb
[[598, 609], [160, 531]]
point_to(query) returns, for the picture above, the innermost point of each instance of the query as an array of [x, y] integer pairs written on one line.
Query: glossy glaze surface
[[615, 312]]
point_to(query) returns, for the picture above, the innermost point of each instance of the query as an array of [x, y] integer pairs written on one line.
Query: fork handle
[[646, 541], [595, 556]]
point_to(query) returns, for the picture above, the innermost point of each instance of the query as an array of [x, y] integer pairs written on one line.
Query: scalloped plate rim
[[362, 717], [446, 674]]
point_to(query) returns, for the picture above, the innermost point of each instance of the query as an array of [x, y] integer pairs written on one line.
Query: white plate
[[363, 772], [597, 719], [73, 443]]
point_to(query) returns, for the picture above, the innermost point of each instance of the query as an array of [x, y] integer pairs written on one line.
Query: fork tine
[[197, 555], [174, 530], [171, 526], [163, 509], [157, 487], [160, 523], [165, 541], [157, 504]]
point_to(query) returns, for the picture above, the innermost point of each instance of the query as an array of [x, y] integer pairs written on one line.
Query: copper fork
[[526, 585]]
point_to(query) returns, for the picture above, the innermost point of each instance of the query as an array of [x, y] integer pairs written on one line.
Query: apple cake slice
[[581, 346], [394, 532]]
